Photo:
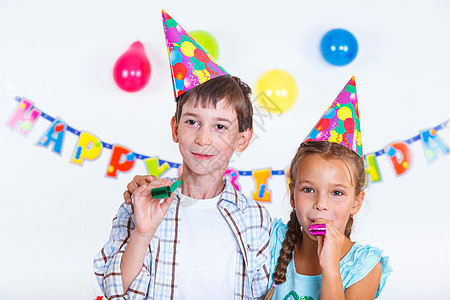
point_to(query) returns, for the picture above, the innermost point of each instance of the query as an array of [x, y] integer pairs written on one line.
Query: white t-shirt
[[207, 252]]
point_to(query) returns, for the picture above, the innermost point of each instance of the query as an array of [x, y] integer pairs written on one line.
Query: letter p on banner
[[88, 147], [122, 159]]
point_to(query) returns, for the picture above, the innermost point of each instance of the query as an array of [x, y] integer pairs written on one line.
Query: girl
[[327, 181]]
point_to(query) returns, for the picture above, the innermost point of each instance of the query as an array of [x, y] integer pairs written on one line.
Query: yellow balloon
[[276, 91]]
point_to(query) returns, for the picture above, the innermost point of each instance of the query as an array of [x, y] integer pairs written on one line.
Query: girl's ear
[[244, 140], [291, 195], [358, 202], [174, 124]]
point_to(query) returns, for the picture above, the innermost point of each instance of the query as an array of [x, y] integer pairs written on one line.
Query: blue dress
[[355, 265]]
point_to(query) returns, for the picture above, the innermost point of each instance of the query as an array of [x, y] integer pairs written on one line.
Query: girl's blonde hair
[[328, 151]]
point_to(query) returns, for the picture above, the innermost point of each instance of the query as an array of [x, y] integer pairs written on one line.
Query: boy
[[206, 240]]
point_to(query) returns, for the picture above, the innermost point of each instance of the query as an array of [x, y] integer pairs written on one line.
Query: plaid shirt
[[249, 221]]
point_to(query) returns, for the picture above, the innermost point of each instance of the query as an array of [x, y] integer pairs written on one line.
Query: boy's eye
[[221, 127], [191, 122]]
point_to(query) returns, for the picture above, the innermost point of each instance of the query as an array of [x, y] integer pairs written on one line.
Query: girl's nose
[[321, 203]]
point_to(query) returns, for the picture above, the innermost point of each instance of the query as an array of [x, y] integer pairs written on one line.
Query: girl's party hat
[[340, 123], [190, 63]]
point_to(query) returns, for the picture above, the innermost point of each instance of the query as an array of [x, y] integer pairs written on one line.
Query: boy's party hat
[[340, 123], [190, 64]]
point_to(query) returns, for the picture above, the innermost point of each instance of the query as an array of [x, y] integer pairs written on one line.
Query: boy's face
[[208, 137]]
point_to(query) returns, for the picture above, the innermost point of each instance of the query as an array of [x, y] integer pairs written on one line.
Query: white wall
[[56, 215]]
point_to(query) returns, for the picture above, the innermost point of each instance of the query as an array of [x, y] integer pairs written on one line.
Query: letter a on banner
[[432, 143], [54, 134]]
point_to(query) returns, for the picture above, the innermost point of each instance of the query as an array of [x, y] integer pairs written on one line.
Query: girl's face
[[323, 189]]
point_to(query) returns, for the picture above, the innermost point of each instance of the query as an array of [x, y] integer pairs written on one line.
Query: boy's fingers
[[150, 178], [127, 197], [131, 187], [140, 180], [166, 203], [141, 192]]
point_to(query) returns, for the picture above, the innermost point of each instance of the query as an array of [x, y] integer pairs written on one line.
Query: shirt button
[[167, 291], [172, 210]]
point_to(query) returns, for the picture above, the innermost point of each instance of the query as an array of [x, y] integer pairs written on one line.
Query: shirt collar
[[229, 194]]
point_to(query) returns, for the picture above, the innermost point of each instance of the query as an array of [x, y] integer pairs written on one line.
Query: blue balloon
[[339, 47]]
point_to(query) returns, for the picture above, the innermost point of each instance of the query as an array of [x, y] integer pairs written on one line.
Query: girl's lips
[[202, 156], [313, 220]]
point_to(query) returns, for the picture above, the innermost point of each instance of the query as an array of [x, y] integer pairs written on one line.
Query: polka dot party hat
[[190, 63], [340, 122]]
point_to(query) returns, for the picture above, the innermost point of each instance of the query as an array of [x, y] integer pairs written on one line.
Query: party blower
[[165, 191]]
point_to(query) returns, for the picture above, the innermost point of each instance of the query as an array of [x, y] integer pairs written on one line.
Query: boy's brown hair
[[230, 88]]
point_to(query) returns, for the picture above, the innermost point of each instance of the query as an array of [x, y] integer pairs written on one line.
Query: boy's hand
[[149, 212], [330, 246], [138, 180]]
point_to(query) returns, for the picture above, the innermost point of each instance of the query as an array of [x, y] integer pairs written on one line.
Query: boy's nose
[[203, 137]]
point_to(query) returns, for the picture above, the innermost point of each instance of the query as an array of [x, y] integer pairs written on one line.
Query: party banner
[[122, 159]]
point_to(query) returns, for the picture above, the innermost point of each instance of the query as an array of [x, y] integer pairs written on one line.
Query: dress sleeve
[[360, 261], [277, 236], [107, 261]]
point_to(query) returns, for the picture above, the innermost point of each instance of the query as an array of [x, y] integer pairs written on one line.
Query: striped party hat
[[190, 63], [340, 122]]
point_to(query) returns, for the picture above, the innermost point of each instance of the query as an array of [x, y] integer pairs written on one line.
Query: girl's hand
[[149, 212], [329, 247], [138, 180]]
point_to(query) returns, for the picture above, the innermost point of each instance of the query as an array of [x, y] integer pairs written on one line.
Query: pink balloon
[[132, 69]]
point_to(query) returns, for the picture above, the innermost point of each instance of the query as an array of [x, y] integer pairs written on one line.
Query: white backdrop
[[56, 215]]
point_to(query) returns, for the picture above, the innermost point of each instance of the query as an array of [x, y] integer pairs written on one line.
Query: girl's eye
[[338, 193], [308, 190]]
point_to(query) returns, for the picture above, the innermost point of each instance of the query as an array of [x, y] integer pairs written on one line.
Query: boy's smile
[[202, 156]]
